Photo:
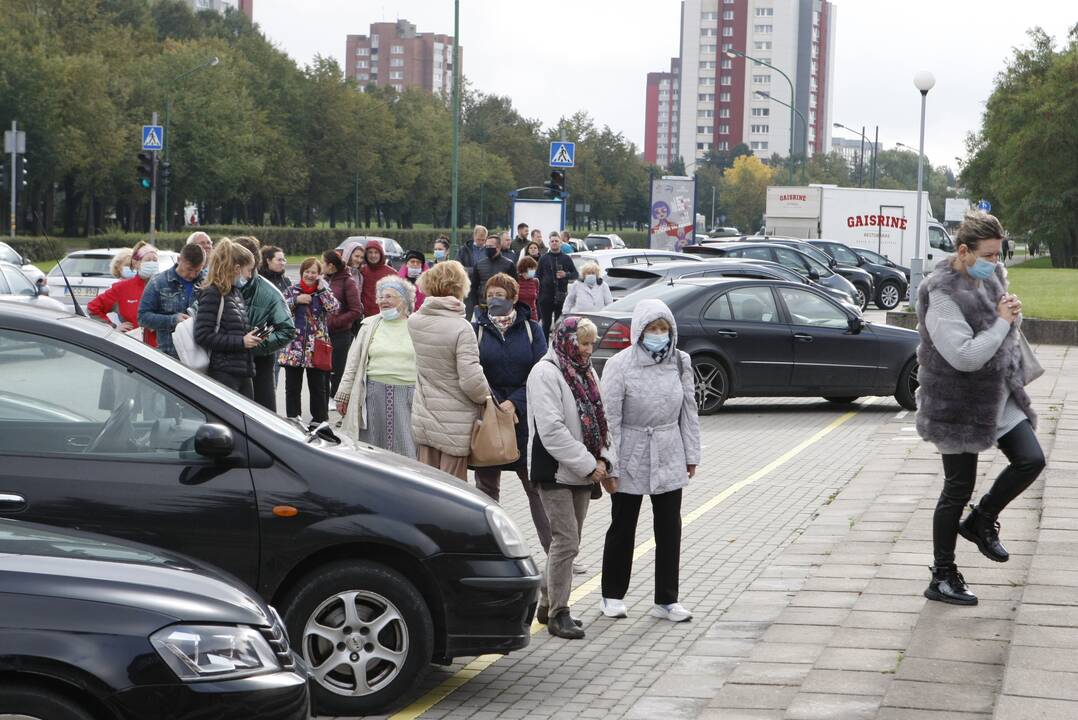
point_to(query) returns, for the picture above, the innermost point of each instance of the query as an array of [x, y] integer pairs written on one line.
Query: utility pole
[[153, 192], [861, 164], [456, 121], [875, 151], [712, 206], [11, 174]]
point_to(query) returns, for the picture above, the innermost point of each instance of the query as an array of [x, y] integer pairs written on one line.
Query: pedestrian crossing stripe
[[562, 156], [151, 138]]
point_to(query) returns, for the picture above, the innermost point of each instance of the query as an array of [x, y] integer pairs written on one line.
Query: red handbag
[[322, 357]]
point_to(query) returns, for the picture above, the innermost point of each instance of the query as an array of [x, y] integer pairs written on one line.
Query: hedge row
[[34, 249]]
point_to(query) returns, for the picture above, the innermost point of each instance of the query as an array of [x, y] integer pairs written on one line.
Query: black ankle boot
[[982, 529], [949, 586], [542, 616], [563, 626]]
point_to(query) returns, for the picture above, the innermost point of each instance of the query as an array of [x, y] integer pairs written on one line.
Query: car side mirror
[[813, 275], [860, 261], [214, 441], [855, 325], [42, 289]]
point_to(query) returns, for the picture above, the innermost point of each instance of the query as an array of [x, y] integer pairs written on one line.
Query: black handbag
[[544, 466]]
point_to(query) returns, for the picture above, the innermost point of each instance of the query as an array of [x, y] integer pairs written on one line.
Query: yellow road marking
[[481, 663]]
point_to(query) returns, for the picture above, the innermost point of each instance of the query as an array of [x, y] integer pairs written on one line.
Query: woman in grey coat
[[971, 397], [650, 403]]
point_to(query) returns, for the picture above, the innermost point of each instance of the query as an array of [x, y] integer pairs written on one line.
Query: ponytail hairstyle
[[227, 260]]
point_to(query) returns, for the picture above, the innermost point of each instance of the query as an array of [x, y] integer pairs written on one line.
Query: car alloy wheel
[[888, 296], [356, 643], [861, 298], [711, 383]]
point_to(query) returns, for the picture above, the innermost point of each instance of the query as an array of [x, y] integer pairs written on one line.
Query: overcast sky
[[554, 57]]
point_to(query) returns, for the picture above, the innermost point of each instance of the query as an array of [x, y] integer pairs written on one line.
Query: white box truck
[[878, 220]]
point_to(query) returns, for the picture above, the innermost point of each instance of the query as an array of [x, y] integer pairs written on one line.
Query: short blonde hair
[[445, 279], [480, 231], [121, 260], [591, 267], [586, 331]]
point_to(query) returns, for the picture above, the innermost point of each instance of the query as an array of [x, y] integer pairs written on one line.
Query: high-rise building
[[395, 55], [247, 7], [660, 129], [726, 99]]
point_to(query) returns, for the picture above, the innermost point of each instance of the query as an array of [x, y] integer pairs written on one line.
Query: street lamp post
[[167, 140], [456, 121], [923, 81], [736, 53], [804, 123], [875, 149]]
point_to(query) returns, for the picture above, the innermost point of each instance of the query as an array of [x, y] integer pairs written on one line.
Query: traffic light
[[145, 170], [556, 185], [3, 176], [20, 170], [164, 173]]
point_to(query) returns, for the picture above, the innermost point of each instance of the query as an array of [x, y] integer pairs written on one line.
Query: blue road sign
[[985, 206], [152, 137], [562, 154]]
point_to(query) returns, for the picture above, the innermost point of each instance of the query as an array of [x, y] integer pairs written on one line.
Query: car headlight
[[214, 652], [505, 532]]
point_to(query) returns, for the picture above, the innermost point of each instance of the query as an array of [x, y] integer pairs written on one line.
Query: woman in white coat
[[650, 404], [589, 293]]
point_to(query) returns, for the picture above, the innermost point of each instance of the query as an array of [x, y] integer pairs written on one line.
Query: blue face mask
[[241, 282], [439, 255], [127, 273], [982, 269], [389, 313], [655, 342], [590, 280]]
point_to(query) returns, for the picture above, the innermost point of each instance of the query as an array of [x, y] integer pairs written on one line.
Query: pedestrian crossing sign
[[152, 137], [562, 154]]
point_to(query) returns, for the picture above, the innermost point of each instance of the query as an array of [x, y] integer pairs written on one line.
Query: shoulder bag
[[494, 437], [1031, 366], [190, 352]]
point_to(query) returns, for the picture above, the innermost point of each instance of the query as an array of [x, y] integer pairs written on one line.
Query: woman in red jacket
[[375, 267], [344, 288], [124, 296]]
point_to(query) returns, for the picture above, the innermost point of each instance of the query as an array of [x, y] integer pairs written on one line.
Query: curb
[[1036, 330]]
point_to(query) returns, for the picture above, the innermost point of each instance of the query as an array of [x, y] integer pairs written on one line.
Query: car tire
[[863, 296], [906, 391], [38, 703], [888, 295], [712, 383], [316, 615], [842, 400]]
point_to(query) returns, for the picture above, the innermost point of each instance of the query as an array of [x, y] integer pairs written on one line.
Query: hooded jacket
[[956, 408], [584, 298], [651, 410], [450, 385], [346, 291], [266, 306], [371, 275]]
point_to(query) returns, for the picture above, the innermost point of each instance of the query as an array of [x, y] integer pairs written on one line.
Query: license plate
[[83, 292]]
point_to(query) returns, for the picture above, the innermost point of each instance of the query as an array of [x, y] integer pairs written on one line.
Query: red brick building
[[395, 55]]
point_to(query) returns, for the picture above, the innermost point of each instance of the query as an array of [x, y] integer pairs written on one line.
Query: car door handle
[[728, 333], [10, 502], [802, 337]]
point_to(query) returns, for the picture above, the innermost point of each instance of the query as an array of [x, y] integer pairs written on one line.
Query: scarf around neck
[[308, 289], [577, 373], [502, 323]]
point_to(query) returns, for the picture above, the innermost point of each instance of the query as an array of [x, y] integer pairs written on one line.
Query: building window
[[765, 12], [758, 145], [759, 128], [724, 112], [762, 44], [703, 146], [761, 112], [705, 115], [727, 80], [363, 76], [705, 97], [724, 129], [709, 32], [709, 16], [724, 145], [763, 28], [361, 63], [398, 88], [727, 31], [396, 75], [396, 62], [707, 65], [707, 80], [727, 14], [761, 79], [396, 50], [727, 64], [724, 97], [363, 51], [727, 46]]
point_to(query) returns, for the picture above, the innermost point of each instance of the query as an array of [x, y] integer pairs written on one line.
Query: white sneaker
[[613, 608], [579, 568], [674, 612]]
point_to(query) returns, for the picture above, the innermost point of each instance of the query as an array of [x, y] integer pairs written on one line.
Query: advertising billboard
[[673, 212]]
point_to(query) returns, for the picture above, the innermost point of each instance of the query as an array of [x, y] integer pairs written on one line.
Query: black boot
[[949, 586], [562, 625], [982, 529], [542, 616]]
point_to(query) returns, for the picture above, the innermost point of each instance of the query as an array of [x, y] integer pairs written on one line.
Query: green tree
[[744, 192]]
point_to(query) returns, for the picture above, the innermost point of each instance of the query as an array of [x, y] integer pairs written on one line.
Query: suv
[[609, 241], [890, 283], [359, 548]]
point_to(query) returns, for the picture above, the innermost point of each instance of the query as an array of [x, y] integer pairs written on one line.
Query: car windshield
[[7, 254], [597, 243], [872, 257], [84, 266], [669, 294]]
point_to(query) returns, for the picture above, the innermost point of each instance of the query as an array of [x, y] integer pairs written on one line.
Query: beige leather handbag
[[494, 437]]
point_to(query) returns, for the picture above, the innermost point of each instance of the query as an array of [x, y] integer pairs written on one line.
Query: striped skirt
[[389, 418]]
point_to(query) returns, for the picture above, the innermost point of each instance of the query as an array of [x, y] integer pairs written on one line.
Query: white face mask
[[390, 313], [148, 269]]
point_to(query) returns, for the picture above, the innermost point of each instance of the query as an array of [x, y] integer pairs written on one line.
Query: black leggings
[[265, 386], [960, 473], [342, 342], [621, 539], [317, 385], [549, 312]]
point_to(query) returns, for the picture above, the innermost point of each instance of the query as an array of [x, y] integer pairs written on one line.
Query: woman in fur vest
[[972, 396]]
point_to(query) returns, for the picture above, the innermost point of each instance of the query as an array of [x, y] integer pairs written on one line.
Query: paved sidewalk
[[837, 626]]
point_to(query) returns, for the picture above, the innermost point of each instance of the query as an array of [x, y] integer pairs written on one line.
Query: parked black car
[[800, 262], [631, 279], [359, 548], [97, 629], [891, 285], [764, 338]]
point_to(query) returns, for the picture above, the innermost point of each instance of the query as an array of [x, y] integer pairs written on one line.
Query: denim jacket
[[162, 302]]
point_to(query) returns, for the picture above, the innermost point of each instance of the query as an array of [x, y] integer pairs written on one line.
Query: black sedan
[[378, 564], [890, 282], [801, 263], [96, 629], [767, 338], [630, 279]]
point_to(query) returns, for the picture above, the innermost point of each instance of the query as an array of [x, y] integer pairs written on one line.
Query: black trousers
[[960, 474], [342, 341], [621, 540], [265, 387], [549, 312], [317, 385], [242, 385]]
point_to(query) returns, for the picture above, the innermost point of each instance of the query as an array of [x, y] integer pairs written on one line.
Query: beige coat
[[353, 387], [450, 385]]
